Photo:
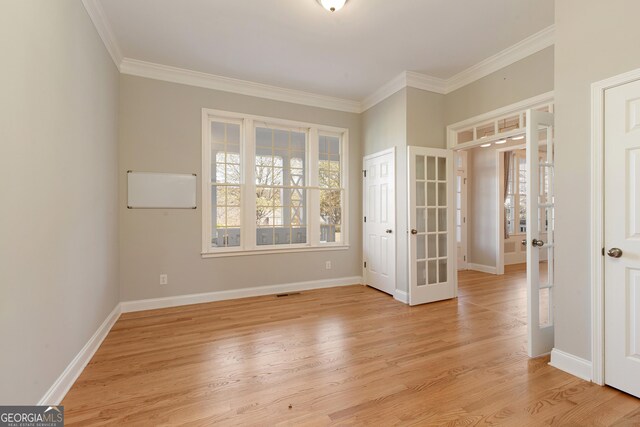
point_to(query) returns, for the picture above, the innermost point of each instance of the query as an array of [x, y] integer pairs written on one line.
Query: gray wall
[[598, 42], [481, 208], [58, 183], [425, 119], [160, 130], [524, 79]]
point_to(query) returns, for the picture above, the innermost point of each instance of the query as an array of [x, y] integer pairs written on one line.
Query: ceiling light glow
[[485, 145], [502, 141], [332, 5], [518, 138]]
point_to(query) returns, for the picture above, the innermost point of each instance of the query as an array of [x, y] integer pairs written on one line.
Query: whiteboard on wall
[[150, 190]]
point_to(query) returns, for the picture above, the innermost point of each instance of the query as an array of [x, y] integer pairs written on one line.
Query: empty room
[[320, 212]]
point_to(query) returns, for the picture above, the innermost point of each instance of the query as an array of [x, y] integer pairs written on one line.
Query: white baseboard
[[69, 376], [571, 364], [401, 296], [482, 268], [178, 300]]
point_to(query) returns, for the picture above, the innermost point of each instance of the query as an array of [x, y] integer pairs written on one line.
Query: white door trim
[[392, 151], [597, 218]]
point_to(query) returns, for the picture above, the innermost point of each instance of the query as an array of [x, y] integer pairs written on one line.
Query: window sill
[[231, 253]]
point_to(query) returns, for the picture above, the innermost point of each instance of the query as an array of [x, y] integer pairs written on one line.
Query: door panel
[[540, 204], [379, 225], [622, 231], [431, 246]]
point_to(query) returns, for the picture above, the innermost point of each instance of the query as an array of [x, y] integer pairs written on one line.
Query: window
[[272, 185]]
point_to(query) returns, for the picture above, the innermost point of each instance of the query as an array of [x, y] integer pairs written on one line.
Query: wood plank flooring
[[340, 356]]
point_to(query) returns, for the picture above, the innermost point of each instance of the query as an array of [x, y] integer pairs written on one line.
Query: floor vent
[[287, 295]]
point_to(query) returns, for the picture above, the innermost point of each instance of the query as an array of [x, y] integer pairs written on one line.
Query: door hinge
[[365, 219], [364, 172], [464, 220], [464, 258], [602, 251], [365, 264]]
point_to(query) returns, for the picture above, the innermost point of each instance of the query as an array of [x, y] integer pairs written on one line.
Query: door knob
[[614, 252], [538, 243], [414, 231], [524, 242], [388, 231]]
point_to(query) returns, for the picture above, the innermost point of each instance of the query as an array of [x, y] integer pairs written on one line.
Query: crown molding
[[96, 13], [392, 86], [210, 81], [515, 53], [426, 82], [511, 55]]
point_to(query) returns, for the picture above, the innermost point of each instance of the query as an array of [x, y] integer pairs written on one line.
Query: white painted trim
[[96, 13], [525, 104], [61, 386], [167, 73], [426, 82], [179, 300], [512, 54], [401, 296], [482, 268], [571, 364], [597, 218], [532, 44]]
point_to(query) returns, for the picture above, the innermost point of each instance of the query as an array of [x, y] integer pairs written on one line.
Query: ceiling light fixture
[[486, 145], [502, 141], [518, 138], [332, 5]]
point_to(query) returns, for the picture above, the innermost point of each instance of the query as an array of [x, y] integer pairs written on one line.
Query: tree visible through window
[[262, 194]]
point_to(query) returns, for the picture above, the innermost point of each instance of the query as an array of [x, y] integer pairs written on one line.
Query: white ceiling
[[296, 44]]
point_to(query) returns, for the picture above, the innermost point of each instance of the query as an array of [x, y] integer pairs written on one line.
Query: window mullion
[[313, 218], [249, 187]]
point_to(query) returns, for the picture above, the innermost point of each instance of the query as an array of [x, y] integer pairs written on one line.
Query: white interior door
[[431, 246], [622, 237], [540, 223], [379, 221], [461, 209]]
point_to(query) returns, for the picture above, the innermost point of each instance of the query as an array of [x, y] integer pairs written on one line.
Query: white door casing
[[432, 247], [540, 223], [622, 231], [379, 244]]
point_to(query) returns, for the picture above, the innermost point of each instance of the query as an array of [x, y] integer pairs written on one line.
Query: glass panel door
[[431, 244], [540, 201]]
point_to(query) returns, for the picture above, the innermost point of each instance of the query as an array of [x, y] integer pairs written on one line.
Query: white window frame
[[248, 228]]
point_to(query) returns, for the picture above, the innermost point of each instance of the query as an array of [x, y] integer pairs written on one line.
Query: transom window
[[272, 185]]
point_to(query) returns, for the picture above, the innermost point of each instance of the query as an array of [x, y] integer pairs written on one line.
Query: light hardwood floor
[[348, 355]]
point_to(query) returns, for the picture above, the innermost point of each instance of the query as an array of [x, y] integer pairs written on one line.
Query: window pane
[[281, 196], [225, 153], [226, 216], [226, 168], [330, 182]]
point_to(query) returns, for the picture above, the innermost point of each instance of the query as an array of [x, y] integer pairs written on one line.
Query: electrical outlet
[[327, 265], [164, 279]]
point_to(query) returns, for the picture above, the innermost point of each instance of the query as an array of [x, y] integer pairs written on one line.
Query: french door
[[540, 223], [431, 248]]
